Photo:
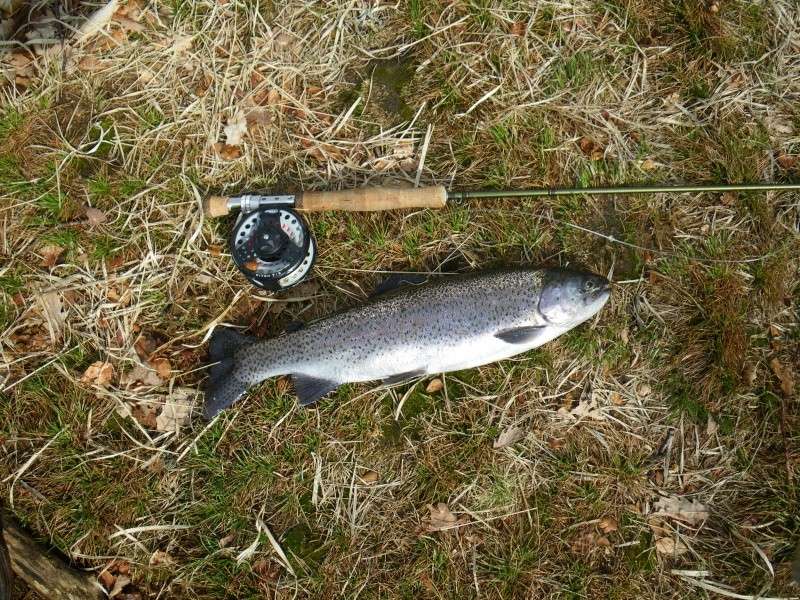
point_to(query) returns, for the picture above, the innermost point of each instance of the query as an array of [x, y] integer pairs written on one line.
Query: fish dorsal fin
[[395, 281], [294, 326], [521, 335], [309, 389]]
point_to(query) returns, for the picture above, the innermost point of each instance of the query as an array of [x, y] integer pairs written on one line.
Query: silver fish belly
[[450, 324]]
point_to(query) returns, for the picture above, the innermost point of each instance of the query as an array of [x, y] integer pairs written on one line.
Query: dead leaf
[[324, 151], [434, 386], [649, 164], [215, 250], [159, 557], [142, 373], [106, 579], [273, 96], [98, 373], [508, 437], [787, 161], [181, 44], [283, 40], [120, 583], [128, 24], [227, 540], [670, 546], [94, 216], [441, 518], [54, 314], [369, 477], [163, 368], [586, 542], [591, 148], [681, 509], [266, 569], [518, 28], [51, 255], [784, 375], [226, 152], [643, 390], [21, 62], [403, 149], [427, 582], [728, 198], [617, 399], [121, 567], [144, 346], [587, 408], [177, 410], [144, 413], [236, 129], [91, 64], [608, 524], [258, 118]]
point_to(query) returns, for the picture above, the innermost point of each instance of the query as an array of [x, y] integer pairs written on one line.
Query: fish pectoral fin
[[400, 377], [521, 335], [309, 389]]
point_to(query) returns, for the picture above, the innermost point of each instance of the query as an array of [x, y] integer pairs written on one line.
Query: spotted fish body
[[446, 325]]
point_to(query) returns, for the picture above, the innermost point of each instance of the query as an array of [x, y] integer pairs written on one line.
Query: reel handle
[[373, 199], [360, 199]]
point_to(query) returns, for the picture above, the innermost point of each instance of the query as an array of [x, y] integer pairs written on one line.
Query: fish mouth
[[604, 293]]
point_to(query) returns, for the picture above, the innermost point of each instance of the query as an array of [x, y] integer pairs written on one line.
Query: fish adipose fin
[[520, 335], [223, 388], [309, 389], [400, 377]]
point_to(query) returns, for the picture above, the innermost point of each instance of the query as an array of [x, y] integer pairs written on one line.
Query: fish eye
[[589, 287]]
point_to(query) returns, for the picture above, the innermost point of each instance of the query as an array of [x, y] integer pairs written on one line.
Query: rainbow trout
[[449, 324]]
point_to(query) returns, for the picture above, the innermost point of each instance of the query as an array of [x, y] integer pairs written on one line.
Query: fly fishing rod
[[273, 247]]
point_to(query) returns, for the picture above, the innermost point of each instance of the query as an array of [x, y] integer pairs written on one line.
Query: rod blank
[[634, 189]]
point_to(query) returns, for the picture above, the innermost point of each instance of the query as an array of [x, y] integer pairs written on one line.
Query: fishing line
[[614, 240]]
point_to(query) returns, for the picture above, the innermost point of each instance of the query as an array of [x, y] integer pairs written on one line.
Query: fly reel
[[272, 247]]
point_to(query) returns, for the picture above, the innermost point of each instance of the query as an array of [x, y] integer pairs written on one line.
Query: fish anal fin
[[521, 335], [309, 389], [400, 377]]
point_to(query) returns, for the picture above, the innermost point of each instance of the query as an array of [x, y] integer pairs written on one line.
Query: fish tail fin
[[223, 387]]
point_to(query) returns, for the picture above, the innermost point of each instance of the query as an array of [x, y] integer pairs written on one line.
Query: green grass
[[10, 120], [701, 335]]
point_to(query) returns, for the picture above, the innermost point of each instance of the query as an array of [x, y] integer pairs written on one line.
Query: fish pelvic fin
[[223, 387], [309, 389]]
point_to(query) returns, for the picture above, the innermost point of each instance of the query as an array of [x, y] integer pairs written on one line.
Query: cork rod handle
[[374, 199], [216, 206]]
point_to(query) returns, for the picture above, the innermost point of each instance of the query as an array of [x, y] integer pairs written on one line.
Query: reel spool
[[272, 247]]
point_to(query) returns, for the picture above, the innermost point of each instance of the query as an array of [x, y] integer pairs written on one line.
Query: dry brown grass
[[668, 394]]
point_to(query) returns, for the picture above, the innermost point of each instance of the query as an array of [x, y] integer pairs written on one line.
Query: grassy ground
[[671, 399]]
